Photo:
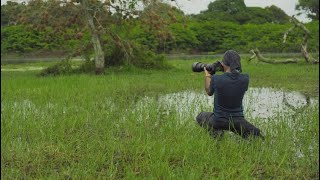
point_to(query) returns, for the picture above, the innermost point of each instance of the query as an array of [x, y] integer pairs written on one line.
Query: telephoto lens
[[211, 68], [199, 67]]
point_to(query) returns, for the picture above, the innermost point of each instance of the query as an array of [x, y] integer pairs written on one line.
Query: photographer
[[228, 89]]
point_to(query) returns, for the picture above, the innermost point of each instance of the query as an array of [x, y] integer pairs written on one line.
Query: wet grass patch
[[86, 127]]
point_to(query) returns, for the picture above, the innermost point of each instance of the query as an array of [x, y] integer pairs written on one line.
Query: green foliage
[[23, 39], [139, 57], [227, 6], [278, 15], [314, 40], [87, 67], [258, 15], [220, 36], [195, 36], [184, 39], [311, 7], [20, 39], [142, 35], [236, 11], [63, 67], [10, 12], [136, 55], [156, 30]]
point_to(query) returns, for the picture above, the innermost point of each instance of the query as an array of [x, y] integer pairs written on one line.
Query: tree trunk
[[308, 58], [256, 53], [98, 51]]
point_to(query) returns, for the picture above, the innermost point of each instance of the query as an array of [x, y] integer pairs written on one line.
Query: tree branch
[[304, 46], [256, 53]]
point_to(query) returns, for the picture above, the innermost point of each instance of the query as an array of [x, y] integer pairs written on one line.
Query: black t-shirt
[[229, 89]]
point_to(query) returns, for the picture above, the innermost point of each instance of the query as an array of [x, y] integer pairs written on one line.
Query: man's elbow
[[209, 93]]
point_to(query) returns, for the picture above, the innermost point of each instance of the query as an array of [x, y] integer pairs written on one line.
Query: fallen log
[[256, 54]]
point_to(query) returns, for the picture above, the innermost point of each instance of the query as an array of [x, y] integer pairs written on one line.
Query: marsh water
[[258, 103], [262, 103]]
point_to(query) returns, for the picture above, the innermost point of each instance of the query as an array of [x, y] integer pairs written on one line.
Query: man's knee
[[203, 117], [199, 118]]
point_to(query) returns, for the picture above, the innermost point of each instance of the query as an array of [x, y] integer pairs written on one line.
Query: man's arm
[[207, 80]]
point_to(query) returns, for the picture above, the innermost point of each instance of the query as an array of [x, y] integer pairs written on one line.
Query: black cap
[[232, 59]]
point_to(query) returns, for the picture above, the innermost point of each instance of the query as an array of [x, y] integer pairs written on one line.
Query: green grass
[[87, 127]]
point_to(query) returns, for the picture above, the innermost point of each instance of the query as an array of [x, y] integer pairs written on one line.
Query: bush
[[63, 67], [135, 55], [87, 67]]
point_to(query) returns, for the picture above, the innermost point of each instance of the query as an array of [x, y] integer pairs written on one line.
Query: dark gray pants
[[216, 126]]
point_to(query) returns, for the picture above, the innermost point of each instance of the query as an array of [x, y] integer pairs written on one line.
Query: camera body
[[211, 68]]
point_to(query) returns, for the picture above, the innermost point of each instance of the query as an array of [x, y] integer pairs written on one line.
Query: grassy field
[[88, 127]]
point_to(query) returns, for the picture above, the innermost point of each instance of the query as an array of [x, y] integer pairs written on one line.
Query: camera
[[211, 68]]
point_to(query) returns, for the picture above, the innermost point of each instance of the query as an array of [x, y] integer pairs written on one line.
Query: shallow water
[[261, 103], [31, 68]]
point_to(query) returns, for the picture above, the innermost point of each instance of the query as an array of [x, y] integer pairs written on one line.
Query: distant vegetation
[[128, 36], [205, 36]]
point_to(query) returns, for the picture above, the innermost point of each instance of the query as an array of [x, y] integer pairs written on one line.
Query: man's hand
[[206, 72], [217, 67]]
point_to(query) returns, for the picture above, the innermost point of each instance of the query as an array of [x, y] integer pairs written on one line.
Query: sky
[[195, 6]]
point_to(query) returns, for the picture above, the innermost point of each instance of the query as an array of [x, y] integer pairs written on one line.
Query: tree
[[311, 7], [278, 15], [94, 15], [10, 12], [236, 11], [227, 6], [259, 15], [99, 53], [158, 17], [304, 46]]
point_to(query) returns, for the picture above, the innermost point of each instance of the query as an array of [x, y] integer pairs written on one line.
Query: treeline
[[195, 37], [167, 30]]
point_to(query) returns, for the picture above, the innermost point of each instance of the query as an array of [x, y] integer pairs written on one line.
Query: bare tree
[[304, 46], [99, 53]]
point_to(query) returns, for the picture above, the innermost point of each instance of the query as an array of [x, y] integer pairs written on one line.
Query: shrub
[[63, 67], [135, 55], [87, 67]]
